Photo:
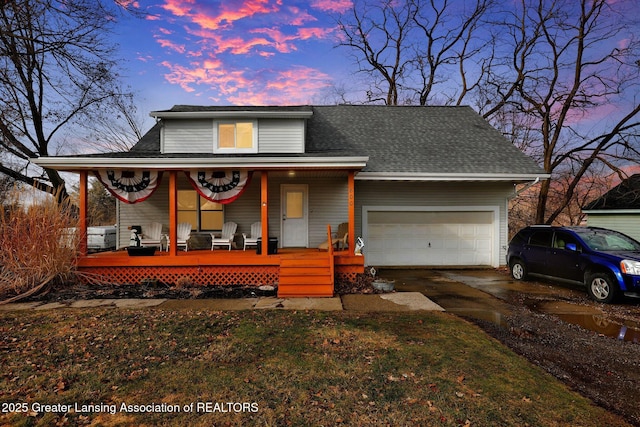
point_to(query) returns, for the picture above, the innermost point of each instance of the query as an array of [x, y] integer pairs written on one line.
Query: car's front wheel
[[601, 287], [518, 269]]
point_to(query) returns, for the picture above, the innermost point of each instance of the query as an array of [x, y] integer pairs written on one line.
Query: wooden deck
[[296, 272]]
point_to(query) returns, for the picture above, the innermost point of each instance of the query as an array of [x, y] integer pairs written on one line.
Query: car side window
[[541, 238], [562, 239]]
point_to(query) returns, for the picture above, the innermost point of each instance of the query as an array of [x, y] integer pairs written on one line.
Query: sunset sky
[[260, 52]]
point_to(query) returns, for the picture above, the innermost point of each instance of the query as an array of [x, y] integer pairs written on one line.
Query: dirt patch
[[66, 293], [602, 368]]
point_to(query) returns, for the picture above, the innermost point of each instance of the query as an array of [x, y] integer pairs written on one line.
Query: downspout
[[516, 193]]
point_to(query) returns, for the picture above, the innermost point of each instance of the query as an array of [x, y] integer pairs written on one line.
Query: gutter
[[425, 177], [92, 163]]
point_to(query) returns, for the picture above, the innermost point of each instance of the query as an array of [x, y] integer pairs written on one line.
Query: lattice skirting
[[202, 275], [197, 275], [348, 273]]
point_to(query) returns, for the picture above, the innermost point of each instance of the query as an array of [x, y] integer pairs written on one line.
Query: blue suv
[[605, 261]]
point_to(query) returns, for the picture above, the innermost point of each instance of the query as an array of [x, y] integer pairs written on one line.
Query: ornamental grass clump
[[38, 246]]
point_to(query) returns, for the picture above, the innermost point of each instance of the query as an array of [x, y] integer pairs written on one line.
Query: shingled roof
[[397, 139], [625, 195], [415, 139]]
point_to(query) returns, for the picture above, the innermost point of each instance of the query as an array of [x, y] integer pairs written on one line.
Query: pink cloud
[[171, 45], [280, 40], [178, 7], [232, 12], [246, 87], [315, 32], [261, 29], [299, 17], [337, 6]]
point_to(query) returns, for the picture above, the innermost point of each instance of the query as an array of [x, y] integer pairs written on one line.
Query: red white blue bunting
[[130, 186], [221, 186]]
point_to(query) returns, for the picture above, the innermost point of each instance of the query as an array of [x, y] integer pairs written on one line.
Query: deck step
[[308, 276]]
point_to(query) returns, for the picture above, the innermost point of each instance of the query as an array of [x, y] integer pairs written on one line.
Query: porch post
[[82, 206], [352, 213], [173, 213], [264, 212]]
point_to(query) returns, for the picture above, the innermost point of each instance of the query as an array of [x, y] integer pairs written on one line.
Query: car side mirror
[[571, 247]]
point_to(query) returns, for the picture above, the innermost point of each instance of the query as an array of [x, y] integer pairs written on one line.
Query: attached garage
[[431, 236]]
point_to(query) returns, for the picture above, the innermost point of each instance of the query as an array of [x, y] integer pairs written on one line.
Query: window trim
[[235, 150]]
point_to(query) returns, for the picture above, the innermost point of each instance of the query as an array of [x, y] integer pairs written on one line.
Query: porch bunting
[[221, 186], [130, 186]]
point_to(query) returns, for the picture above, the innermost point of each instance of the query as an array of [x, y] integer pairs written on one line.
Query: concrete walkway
[[396, 301]]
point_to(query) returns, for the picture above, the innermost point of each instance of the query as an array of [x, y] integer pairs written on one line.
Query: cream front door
[[294, 216]]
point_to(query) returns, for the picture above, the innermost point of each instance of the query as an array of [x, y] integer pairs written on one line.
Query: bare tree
[[446, 41], [378, 33], [542, 71], [414, 49], [118, 132], [570, 60], [57, 69]]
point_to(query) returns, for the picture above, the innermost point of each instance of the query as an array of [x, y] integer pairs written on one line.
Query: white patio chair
[[151, 234], [226, 237], [252, 239], [184, 232]]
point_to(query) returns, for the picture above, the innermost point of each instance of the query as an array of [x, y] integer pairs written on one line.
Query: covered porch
[[296, 270]]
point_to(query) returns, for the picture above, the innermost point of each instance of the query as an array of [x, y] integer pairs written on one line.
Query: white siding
[[187, 136], [327, 205], [374, 193], [628, 224], [197, 136], [281, 136]]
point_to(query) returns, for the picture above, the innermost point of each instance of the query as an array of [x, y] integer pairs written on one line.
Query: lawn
[[163, 367]]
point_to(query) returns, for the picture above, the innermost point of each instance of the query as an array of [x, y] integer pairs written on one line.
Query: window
[[236, 137], [541, 238], [201, 213]]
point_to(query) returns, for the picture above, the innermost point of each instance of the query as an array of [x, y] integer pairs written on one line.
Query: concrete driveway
[[483, 294]]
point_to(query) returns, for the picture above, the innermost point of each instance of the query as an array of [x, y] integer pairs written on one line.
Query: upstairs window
[[236, 137]]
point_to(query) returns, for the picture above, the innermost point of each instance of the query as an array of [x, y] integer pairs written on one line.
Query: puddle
[[601, 324], [591, 319]]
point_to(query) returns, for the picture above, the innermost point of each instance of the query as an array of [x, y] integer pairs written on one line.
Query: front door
[[294, 216]]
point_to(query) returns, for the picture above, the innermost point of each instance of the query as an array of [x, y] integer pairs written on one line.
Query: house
[[421, 186], [618, 209]]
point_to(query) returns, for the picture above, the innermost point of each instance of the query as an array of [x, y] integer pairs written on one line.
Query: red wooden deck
[[222, 267]]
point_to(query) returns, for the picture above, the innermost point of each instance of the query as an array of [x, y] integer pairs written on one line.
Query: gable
[[202, 135]]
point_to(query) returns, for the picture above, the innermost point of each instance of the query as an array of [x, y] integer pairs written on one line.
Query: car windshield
[[599, 240]]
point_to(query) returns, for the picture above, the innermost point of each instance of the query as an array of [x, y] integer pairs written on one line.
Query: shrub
[[38, 245]]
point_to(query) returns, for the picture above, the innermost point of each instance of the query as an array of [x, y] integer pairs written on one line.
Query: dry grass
[[36, 247], [296, 368]]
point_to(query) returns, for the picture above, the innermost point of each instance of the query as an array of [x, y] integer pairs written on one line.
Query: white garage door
[[401, 238]]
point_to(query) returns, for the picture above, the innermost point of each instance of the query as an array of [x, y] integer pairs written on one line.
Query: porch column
[[82, 206], [352, 213], [264, 212], [173, 213]]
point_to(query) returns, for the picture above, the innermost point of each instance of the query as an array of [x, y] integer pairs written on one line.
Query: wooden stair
[[306, 276]]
